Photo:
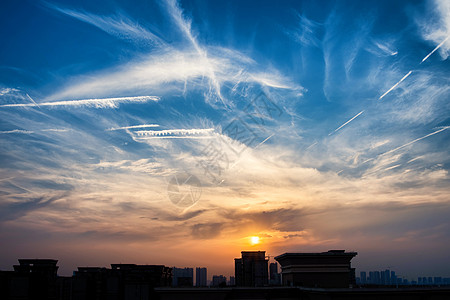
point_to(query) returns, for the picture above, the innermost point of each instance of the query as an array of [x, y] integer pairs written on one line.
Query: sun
[[254, 240]]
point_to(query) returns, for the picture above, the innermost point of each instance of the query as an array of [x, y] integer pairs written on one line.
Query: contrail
[[97, 103], [175, 137], [173, 132], [437, 47], [134, 126], [416, 140], [312, 145], [32, 100], [395, 85], [17, 131], [35, 131], [393, 167], [346, 123], [264, 141]]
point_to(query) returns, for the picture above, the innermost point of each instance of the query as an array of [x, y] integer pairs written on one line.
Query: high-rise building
[[200, 277], [387, 277], [251, 269], [363, 277], [377, 277], [326, 269], [393, 278], [183, 277]]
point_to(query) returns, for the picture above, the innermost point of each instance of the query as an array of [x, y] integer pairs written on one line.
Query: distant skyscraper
[[393, 278], [251, 269], [363, 278], [377, 277], [200, 277], [387, 277]]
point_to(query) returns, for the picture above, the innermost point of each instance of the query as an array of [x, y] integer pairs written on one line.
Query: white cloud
[[436, 26], [119, 25]]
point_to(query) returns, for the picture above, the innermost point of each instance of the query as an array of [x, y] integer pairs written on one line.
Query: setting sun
[[254, 240]]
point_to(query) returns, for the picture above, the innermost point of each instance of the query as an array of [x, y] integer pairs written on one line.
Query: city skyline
[[184, 132]]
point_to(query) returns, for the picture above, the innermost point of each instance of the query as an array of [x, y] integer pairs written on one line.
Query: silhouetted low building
[[219, 281], [326, 269], [251, 269], [122, 281], [232, 281], [31, 279]]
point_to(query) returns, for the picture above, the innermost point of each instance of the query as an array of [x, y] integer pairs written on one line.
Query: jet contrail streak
[[17, 131], [98, 103], [134, 126], [437, 47], [395, 85], [264, 141], [169, 132], [346, 123], [416, 140]]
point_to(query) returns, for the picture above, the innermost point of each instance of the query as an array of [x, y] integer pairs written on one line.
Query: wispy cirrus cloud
[[435, 26], [119, 25]]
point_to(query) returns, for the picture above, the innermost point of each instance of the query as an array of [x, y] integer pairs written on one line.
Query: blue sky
[[343, 107]]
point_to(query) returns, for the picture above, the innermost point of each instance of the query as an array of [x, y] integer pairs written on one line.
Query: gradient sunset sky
[[313, 125]]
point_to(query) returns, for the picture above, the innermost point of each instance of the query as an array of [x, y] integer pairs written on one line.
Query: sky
[[172, 132]]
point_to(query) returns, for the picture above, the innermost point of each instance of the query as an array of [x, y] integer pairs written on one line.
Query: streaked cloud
[[119, 25]]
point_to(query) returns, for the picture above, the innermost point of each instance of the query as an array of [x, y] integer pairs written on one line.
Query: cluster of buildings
[[388, 277], [325, 274], [184, 277]]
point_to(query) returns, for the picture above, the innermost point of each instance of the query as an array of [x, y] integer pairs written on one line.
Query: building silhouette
[[251, 269], [219, 281], [325, 269], [274, 276], [201, 276], [232, 281], [31, 279], [183, 277], [38, 279], [122, 281]]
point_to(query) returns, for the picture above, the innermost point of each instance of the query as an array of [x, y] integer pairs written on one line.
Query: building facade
[[183, 277], [327, 269], [201, 276], [251, 269]]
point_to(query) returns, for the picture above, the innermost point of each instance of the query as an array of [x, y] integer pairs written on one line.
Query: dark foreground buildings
[[330, 269], [31, 279], [251, 269], [37, 279]]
